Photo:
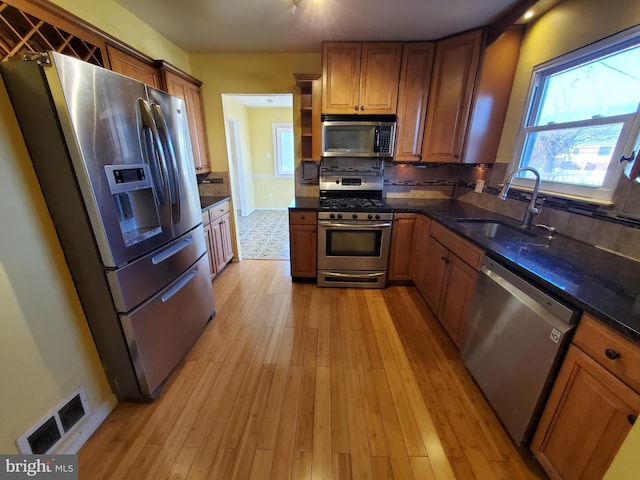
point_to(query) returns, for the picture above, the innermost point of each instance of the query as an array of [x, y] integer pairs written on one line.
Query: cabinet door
[[210, 250], [585, 420], [191, 95], [402, 238], [457, 294], [491, 97], [379, 75], [303, 246], [454, 73], [217, 242], [413, 92], [340, 77], [227, 243], [132, 67], [429, 272], [434, 269]]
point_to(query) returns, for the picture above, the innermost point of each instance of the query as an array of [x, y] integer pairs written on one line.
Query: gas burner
[[355, 203]]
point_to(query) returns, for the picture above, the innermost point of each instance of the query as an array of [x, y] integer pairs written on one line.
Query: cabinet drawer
[[305, 217], [467, 252], [219, 210], [598, 340], [206, 220]]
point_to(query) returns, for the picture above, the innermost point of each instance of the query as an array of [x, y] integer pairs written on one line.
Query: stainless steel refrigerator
[[114, 162]]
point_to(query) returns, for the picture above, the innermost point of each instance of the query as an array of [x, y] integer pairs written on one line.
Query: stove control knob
[[377, 217], [369, 216], [332, 215], [339, 215], [355, 215], [338, 181]]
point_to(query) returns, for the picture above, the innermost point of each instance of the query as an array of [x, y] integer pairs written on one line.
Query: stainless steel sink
[[494, 228]]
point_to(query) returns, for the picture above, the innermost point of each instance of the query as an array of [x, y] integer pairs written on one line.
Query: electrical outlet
[[479, 186]]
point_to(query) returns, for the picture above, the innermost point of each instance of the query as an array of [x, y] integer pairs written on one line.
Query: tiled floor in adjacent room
[[264, 234]]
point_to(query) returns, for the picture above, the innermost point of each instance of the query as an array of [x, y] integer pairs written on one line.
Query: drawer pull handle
[[611, 354], [632, 419], [301, 217]]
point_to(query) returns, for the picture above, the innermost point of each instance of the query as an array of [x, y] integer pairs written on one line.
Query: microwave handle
[[376, 143]]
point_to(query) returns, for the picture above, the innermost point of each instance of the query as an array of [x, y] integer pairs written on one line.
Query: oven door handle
[[358, 225]]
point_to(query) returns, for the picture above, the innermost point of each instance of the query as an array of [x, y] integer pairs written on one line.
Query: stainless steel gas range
[[354, 224]]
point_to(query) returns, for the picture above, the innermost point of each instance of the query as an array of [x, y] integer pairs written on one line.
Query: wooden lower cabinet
[[303, 239], [445, 274], [210, 248], [402, 247], [217, 230], [592, 406], [585, 420], [457, 293], [433, 271]]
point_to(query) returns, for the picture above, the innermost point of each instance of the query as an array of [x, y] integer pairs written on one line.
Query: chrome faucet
[[533, 208]]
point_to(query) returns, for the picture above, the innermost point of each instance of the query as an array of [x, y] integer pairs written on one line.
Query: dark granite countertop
[[207, 202], [591, 279], [304, 203]]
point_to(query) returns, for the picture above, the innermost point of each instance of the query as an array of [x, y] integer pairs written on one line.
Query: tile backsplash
[[616, 229], [214, 184]]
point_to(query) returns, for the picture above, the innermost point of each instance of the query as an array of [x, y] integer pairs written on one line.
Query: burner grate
[[364, 204]]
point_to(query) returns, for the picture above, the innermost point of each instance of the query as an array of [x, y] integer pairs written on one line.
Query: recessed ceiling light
[[529, 14]]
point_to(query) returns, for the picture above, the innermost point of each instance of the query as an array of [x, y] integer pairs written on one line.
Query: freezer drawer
[[133, 284], [162, 331]]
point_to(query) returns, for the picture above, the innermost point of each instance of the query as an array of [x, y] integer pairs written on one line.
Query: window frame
[[277, 149], [628, 140]]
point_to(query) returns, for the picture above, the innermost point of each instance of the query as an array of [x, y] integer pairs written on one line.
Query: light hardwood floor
[[293, 381]]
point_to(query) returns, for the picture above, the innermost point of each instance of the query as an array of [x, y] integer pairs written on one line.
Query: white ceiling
[[269, 26]]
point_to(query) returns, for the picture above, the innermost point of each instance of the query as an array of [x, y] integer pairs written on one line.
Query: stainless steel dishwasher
[[513, 345]]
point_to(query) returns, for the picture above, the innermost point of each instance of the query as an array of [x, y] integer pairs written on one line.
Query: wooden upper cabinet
[[133, 67], [413, 93], [360, 77], [189, 91], [491, 98], [450, 96]]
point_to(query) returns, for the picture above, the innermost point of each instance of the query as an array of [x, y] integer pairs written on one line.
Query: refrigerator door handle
[[171, 251], [169, 152], [179, 285], [153, 149]]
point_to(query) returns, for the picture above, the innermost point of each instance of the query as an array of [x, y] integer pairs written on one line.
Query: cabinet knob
[[632, 419], [356, 107], [301, 217], [611, 354], [361, 107]]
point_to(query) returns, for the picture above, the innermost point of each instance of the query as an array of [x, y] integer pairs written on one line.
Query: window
[[283, 145], [582, 117]]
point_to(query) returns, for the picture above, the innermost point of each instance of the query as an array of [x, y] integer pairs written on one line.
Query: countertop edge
[[438, 211]]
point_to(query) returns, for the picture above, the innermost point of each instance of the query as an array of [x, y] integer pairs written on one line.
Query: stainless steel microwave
[[358, 135]]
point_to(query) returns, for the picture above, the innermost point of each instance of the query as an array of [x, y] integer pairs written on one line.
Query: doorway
[[260, 151]]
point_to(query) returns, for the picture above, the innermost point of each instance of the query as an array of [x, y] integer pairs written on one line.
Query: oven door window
[[353, 243]]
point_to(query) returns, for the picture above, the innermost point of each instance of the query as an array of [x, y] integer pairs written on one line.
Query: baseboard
[[75, 442]]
